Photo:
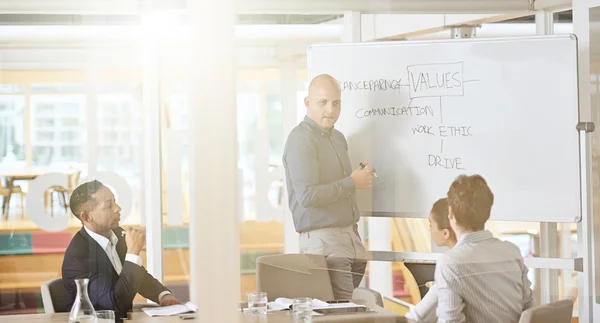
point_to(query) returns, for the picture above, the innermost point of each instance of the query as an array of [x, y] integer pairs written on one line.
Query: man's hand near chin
[[169, 300]]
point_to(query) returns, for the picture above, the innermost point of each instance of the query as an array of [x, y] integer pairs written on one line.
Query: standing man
[[321, 188]]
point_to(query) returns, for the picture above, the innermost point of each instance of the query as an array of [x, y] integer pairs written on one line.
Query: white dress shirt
[[110, 247], [482, 279]]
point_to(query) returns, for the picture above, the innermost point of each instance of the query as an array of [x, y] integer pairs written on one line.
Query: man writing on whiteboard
[[321, 187]]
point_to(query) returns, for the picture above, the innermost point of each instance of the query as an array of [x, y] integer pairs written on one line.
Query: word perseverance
[[446, 163], [395, 112], [371, 85], [443, 131]]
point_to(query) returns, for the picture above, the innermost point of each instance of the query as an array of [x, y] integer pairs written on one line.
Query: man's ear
[[450, 213], [85, 217], [307, 102]]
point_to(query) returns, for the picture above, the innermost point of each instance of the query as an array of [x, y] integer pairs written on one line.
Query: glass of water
[[302, 309], [105, 316], [86, 319], [257, 302]]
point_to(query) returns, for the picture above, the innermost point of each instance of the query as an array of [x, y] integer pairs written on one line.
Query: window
[[11, 89], [68, 136], [56, 124], [69, 122], [57, 88], [12, 128], [44, 109], [178, 111], [119, 140], [248, 106], [69, 153], [563, 22], [45, 136], [45, 123], [275, 128]]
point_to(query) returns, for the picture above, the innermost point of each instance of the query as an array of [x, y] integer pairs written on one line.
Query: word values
[[435, 80], [443, 131]]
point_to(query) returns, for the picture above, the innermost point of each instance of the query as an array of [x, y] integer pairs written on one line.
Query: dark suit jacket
[[107, 290]]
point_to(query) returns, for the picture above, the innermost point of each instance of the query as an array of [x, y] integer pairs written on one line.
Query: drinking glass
[[302, 309], [257, 302], [107, 316]]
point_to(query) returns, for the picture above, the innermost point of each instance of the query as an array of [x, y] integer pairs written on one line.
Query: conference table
[[379, 315]]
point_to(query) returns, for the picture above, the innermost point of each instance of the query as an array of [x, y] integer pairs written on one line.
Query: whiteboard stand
[[548, 249], [584, 227]]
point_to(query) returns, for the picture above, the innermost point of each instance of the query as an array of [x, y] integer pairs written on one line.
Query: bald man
[[321, 187]]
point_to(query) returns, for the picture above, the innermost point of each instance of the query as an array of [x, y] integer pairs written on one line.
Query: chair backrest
[[557, 312], [369, 295], [423, 273], [53, 296], [293, 275]]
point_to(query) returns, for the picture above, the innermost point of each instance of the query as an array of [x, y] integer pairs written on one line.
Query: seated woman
[[443, 236]]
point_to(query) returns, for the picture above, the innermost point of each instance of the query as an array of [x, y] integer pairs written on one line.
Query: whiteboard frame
[[416, 215]]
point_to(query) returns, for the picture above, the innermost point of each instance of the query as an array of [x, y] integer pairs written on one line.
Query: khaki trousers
[[345, 254]]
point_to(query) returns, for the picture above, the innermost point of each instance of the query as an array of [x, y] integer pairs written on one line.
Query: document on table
[[170, 310], [282, 304]]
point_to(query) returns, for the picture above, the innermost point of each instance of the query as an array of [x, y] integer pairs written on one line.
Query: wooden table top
[[379, 316]]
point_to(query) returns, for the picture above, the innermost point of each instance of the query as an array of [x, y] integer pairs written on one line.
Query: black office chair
[[53, 296], [423, 273]]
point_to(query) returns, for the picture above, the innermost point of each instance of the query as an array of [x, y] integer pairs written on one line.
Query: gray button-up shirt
[[482, 279], [321, 192]]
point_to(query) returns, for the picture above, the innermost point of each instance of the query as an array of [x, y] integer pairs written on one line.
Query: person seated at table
[[107, 255], [443, 236], [482, 279]]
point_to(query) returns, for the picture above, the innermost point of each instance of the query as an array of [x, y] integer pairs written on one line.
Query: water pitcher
[[82, 311]]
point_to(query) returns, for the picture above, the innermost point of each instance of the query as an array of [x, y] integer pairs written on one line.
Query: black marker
[[363, 166]]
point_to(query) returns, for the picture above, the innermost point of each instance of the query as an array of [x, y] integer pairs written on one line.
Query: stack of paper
[[170, 310], [282, 304], [340, 305]]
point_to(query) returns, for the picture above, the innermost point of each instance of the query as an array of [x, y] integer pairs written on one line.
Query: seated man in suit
[[443, 236], [107, 255], [482, 279]]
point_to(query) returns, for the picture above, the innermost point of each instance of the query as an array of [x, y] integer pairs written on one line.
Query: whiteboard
[[423, 113]]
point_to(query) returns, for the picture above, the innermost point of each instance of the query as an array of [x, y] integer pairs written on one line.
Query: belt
[[349, 229]]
